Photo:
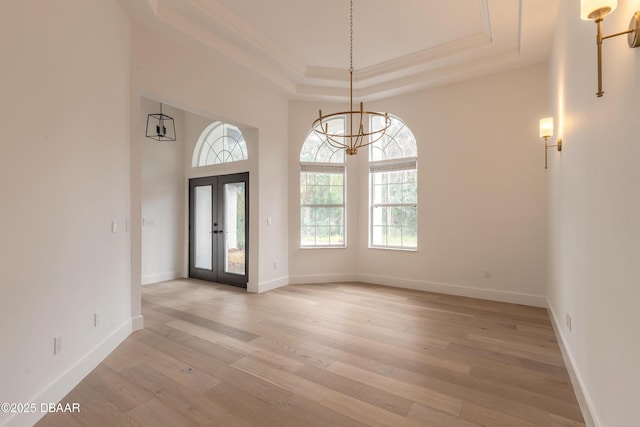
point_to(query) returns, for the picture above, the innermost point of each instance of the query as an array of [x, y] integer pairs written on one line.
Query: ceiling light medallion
[[354, 139]]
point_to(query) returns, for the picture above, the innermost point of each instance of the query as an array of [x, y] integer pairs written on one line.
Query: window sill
[[304, 248], [385, 248]]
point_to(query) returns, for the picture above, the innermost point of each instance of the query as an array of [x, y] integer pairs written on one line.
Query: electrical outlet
[[96, 319], [275, 265], [114, 226], [57, 345], [487, 274], [568, 321]]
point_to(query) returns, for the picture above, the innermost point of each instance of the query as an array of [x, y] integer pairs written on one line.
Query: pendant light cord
[[351, 37], [351, 73]]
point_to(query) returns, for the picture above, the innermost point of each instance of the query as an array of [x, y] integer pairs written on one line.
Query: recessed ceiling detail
[[398, 46]]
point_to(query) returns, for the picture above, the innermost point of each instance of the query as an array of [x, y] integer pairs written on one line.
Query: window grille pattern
[[220, 143]]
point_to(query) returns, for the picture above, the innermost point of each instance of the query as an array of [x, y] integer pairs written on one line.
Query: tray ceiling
[[303, 46]]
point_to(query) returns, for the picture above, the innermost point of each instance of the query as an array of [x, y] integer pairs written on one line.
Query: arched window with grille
[[393, 180], [219, 143], [322, 191]]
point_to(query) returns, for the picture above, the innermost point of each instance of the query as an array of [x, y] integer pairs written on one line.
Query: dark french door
[[219, 229]]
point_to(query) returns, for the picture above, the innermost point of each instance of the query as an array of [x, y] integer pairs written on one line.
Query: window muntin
[[318, 150], [322, 192], [393, 180], [394, 208], [321, 208], [219, 143], [398, 143]]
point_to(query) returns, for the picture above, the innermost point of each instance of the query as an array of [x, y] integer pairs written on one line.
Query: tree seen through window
[[322, 184]]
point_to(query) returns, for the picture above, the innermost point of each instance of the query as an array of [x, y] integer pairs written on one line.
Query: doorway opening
[[219, 228]]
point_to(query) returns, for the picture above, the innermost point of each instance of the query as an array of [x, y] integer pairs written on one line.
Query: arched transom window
[[219, 143]]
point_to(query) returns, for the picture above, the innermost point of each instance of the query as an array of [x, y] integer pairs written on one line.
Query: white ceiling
[[398, 46]]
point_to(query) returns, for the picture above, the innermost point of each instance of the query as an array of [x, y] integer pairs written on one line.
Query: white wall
[[64, 177], [215, 88], [163, 194], [482, 193], [594, 237]]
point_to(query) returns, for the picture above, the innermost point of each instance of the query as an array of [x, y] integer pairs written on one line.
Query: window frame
[[397, 164], [332, 167], [329, 168], [203, 144]]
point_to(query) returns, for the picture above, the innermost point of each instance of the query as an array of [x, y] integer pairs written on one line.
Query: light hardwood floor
[[328, 355]]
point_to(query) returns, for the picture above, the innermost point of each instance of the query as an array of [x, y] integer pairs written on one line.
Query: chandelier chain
[[351, 37], [357, 137]]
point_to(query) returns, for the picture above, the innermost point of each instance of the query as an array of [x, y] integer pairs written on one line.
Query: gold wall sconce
[[546, 132], [596, 10]]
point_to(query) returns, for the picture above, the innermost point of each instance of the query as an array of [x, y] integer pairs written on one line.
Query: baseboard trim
[[273, 284], [70, 378], [442, 288], [160, 277], [137, 323], [464, 291], [586, 405], [322, 278]]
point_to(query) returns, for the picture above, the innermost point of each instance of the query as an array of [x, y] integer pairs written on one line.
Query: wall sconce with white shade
[[596, 10], [546, 132]]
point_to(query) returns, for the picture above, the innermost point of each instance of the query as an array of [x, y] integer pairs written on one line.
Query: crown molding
[[213, 25], [221, 15], [438, 76], [196, 32]]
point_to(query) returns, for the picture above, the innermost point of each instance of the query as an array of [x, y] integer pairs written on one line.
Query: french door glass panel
[[234, 228], [204, 244]]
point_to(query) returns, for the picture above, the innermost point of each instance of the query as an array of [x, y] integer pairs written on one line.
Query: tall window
[[219, 143], [322, 194], [393, 180]]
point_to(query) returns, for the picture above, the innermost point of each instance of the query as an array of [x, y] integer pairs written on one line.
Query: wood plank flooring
[[343, 354]]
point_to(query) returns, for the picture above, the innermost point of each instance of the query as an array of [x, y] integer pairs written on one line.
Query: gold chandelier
[[353, 140]]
